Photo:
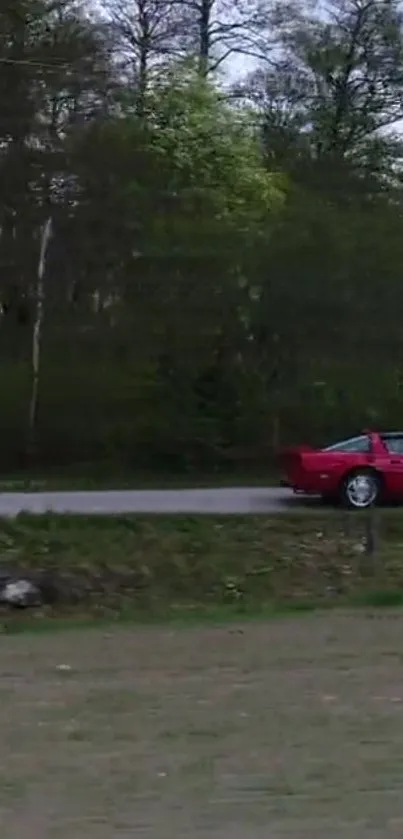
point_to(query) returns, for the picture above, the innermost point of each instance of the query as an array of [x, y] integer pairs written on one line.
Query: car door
[[391, 462]]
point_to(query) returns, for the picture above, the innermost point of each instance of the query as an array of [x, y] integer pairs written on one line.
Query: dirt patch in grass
[[156, 566], [290, 728]]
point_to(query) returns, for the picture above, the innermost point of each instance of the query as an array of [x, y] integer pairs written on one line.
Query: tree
[[336, 90], [55, 64], [219, 30], [221, 277], [328, 108], [54, 67], [149, 35], [193, 201]]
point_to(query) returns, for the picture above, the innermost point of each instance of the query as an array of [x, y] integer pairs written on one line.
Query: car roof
[[390, 433]]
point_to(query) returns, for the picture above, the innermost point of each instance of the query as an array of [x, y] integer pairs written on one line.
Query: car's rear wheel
[[360, 489]]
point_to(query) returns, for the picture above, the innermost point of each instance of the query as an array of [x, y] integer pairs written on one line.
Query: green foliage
[[223, 276], [192, 199], [210, 148]]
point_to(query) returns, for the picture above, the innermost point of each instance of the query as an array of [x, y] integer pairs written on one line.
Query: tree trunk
[[204, 37], [46, 234]]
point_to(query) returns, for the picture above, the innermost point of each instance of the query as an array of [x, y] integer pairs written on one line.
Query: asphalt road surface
[[268, 500]]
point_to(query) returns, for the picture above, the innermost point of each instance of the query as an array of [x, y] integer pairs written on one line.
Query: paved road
[[226, 500]]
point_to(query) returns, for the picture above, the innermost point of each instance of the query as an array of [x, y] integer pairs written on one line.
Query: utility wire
[[31, 62]]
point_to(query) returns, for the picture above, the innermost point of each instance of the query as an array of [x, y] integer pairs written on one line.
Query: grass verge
[[149, 568], [87, 480]]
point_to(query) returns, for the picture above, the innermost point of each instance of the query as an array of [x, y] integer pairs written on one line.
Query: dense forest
[[201, 235]]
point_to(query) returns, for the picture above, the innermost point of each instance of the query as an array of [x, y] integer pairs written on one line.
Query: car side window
[[394, 445], [357, 445]]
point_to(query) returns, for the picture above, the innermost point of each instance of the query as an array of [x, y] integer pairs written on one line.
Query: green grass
[[87, 479], [199, 616], [185, 568]]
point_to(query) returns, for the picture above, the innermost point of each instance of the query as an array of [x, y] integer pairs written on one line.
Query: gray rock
[[19, 593]]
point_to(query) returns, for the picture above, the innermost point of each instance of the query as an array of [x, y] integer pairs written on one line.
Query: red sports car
[[358, 472]]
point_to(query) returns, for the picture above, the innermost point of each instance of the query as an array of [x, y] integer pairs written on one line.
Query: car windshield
[[353, 444]]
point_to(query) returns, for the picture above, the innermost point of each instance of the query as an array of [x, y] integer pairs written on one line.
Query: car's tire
[[360, 489]]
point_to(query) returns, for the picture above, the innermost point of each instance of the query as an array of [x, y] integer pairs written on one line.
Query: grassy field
[[158, 567], [287, 728]]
